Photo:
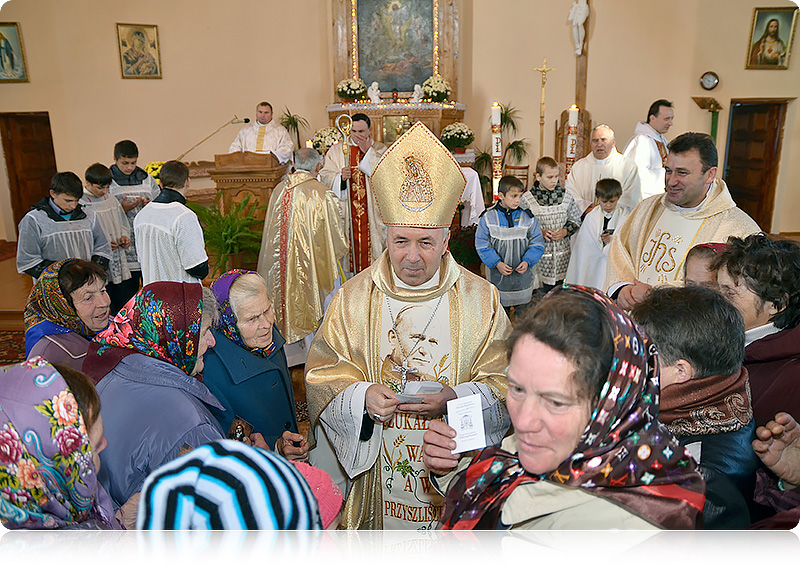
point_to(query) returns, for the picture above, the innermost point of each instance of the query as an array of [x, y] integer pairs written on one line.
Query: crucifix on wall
[[544, 69]]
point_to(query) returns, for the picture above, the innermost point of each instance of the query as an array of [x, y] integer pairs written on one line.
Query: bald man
[[603, 162]]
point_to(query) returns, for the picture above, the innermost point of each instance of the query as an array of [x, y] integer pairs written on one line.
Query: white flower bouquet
[[436, 88], [457, 134], [351, 88], [324, 138]]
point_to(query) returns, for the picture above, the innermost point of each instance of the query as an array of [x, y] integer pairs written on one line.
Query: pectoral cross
[[544, 69], [403, 371]]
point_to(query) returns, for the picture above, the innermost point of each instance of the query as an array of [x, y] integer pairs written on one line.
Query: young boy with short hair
[[509, 242], [133, 188], [121, 285], [171, 245], [555, 209], [58, 228], [587, 266]]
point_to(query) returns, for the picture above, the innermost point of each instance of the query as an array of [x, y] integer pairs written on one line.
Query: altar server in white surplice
[[264, 136], [651, 245], [587, 264]]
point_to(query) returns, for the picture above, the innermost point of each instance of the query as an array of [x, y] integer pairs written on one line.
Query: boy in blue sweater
[[510, 242]]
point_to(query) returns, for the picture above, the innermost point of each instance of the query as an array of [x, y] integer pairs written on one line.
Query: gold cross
[[544, 70]]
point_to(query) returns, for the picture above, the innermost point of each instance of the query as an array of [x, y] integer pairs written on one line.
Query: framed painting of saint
[[771, 36], [12, 54], [139, 51], [396, 43]]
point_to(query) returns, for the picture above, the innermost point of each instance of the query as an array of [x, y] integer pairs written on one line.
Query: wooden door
[[30, 159], [755, 132]]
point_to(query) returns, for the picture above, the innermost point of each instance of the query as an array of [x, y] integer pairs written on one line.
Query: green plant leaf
[[516, 150], [508, 119], [293, 123]]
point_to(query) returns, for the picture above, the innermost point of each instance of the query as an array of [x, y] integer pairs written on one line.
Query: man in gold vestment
[[367, 439], [696, 207], [302, 244]]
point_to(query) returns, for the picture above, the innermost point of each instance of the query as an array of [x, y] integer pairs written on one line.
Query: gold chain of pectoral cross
[[403, 369]]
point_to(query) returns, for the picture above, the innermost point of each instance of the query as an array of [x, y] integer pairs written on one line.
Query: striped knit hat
[[227, 485]]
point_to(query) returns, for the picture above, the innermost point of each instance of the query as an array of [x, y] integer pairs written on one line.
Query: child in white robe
[[587, 265], [117, 229]]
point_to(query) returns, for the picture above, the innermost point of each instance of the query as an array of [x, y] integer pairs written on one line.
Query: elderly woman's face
[[755, 312], [548, 415], [254, 319], [91, 304]]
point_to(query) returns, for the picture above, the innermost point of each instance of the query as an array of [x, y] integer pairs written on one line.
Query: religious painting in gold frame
[[139, 51], [13, 68], [395, 19], [771, 36]]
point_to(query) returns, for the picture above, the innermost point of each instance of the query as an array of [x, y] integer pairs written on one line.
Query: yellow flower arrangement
[[154, 168]]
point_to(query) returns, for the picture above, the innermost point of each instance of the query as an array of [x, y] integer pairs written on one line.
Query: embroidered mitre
[[417, 182]]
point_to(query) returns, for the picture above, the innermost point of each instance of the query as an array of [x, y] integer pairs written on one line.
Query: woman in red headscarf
[[587, 451]]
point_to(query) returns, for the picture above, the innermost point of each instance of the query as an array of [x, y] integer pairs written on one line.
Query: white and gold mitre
[[417, 182]]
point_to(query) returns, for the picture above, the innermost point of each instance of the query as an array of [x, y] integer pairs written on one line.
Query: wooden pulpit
[[242, 173]]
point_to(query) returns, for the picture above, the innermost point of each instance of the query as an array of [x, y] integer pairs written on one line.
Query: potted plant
[[293, 123], [351, 89], [436, 88], [457, 136], [231, 238], [324, 138], [516, 150]]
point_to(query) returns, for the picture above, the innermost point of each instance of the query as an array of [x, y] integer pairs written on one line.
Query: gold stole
[[670, 239], [285, 215], [262, 130], [360, 257], [662, 151]]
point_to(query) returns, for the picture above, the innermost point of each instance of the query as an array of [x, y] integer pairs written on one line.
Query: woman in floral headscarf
[[66, 308], [587, 451], [247, 368], [148, 365], [51, 435]]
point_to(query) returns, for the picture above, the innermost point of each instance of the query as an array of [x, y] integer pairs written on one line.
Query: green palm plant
[[293, 123], [515, 151], [228, 236]]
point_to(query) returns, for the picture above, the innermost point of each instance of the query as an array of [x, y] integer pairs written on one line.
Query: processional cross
[[544, 69]]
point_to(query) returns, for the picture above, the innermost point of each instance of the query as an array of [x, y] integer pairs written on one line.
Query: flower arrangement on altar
[[154, 168], [351, 88], [436, 88], [324, 138], [457, 134]]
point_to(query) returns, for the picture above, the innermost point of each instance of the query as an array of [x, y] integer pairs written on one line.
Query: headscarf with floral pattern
[[227, 321], [161, 321], [47, 477], [48, 311], [625, 453]]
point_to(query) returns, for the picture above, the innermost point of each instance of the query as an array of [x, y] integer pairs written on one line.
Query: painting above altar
[[395, 46], [395, 43]]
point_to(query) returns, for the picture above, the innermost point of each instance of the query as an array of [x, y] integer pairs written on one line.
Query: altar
[[391, 119]]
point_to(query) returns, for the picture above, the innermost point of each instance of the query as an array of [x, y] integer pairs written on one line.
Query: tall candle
[[572, 138], [309, 144], [497, 150]]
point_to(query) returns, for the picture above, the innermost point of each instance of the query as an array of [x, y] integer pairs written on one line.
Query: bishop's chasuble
[[390, 484], [302, 243], [652, 243]]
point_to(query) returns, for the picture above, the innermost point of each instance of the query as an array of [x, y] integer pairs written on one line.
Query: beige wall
[[247, 50]]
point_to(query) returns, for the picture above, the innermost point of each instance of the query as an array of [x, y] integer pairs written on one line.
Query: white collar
[[759, 332], [429, 284], [698, 207], [605, 160]]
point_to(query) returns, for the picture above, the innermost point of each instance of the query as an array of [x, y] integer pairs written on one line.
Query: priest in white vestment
[[651, 245], [603, 162], [648, 147], [264, 136], [348, 172], [414, 314]]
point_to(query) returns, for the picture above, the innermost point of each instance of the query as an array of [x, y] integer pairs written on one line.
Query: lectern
[[242, 173]]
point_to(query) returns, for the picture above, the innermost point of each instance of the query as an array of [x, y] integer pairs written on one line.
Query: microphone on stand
[[235, 120]]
